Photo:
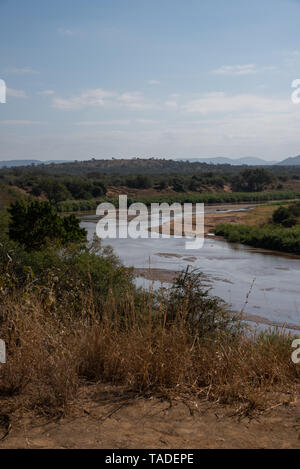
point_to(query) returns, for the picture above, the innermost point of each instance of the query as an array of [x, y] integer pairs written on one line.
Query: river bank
[[230, 269], [213, 216]]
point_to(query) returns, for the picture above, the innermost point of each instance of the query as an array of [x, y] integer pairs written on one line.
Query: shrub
[[268, 236], [189, 302], [33, 224], [287, 216]]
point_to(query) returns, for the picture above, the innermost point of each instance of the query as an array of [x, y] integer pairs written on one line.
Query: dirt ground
[[103, 417], [210, 222]]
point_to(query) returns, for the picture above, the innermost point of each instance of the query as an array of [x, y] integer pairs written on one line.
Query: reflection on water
[[231, 270]]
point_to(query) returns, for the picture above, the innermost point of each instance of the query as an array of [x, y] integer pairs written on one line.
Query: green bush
[[192, 304], [287, 216], [273, 237], [70, 277], [33, 224], [234, 237]]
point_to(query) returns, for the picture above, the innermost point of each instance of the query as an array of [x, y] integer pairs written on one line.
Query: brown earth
[[211, 220], [115, 191], [108, 417], [258, 215]]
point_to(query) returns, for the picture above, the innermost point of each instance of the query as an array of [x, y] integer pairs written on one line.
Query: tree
[[178, 185], [33, 224], [252, 180], [286, 216], [190, 302], [140, 181], [161, 185], [55, 191]]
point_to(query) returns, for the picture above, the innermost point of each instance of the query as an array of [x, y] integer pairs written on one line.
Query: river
[[230, 270]]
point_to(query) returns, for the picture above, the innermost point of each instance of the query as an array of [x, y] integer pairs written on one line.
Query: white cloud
[[210, 123], [239, 70], [46, 92], [116, 122], [271, 135], [223, 103], [66, 32], [90, 98], [103, 123], [16, 93], [248, 69], [146, 121], [171, 104], [100, 98], [153, 82], [135, 100]]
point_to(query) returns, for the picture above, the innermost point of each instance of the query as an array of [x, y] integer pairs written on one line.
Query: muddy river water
[[230, 270]]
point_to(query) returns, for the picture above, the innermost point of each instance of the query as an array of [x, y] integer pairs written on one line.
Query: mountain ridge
[[16, 163], [291, 161], [249, 161]]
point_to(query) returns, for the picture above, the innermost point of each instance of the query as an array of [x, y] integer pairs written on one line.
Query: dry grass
[[260, 215], [50, 355]]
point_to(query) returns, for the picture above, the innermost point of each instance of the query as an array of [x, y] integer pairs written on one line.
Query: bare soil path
[[105, 417]]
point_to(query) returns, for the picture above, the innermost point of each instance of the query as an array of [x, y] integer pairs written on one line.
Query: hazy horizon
[[145, 157]]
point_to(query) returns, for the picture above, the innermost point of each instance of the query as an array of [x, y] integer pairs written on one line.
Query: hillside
[[250, 161], [155, 166], [9, 194], [292, 161], [18, 163]]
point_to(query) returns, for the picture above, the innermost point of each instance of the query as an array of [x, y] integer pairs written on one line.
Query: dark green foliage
[[287, 216], [33, 224], [252, 180], [178, 185], [59, 188], [72, 276], [205, 197], [268, 236], [140, 181], [133, 166], [81, 186], [54, 190], [161, 185]]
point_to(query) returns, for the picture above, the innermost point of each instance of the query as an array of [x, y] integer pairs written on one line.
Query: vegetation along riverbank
[[70, 314], [278, 230]]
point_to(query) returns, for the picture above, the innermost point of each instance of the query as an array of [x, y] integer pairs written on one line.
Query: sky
[[149, 78]]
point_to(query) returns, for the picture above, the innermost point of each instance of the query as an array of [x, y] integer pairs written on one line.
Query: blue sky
[[162, 78]]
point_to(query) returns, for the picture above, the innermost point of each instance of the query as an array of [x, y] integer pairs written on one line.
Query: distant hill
[[127, 166], [292, 161], [251, 161], [13, 163], [16, 163], [148, 165]]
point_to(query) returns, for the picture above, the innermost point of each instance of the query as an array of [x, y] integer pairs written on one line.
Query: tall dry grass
[[50, 354]]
